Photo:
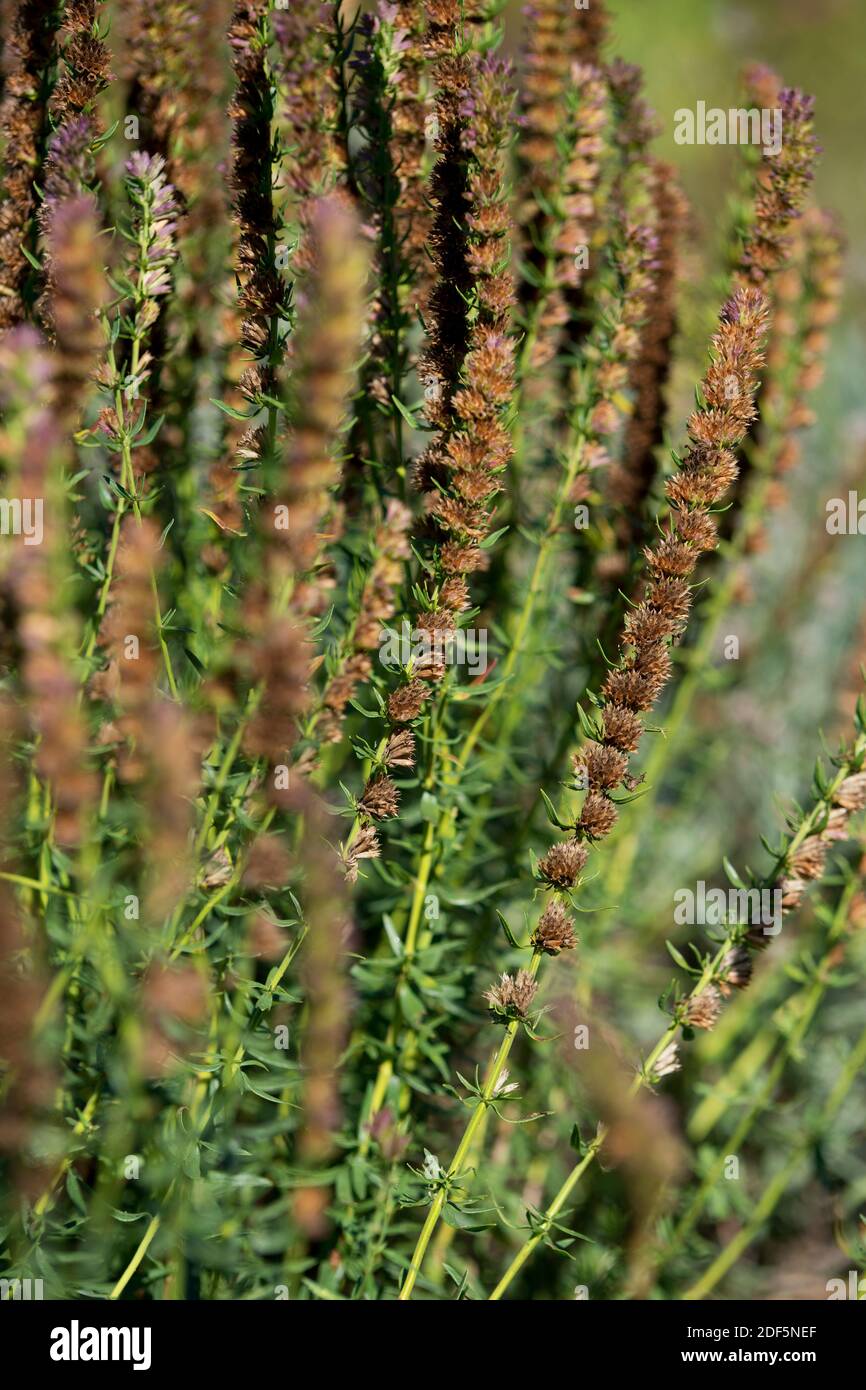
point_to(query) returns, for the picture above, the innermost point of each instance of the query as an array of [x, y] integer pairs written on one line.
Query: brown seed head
[[622, 727], [736, 970], [598, 816], [563, 863], [364, 846], [555, 930], [702, 1010], [406, 703], [600, 767], [809, 859], [381, 799], [852, 792], [400, 749], [513, 996]]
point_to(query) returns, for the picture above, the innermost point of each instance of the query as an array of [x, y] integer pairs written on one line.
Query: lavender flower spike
[[155, 200]]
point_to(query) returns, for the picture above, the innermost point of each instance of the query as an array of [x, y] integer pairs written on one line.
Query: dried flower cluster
[[28, 53], [631, 481], [324, 357], [785, 183], [263, 294], [706, 472], [553, 43]]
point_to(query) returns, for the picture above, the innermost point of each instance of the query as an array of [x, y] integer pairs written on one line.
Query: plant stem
[[708, 974], [777, 1187], [463, 1149], [807, 1001], [141, 1251]]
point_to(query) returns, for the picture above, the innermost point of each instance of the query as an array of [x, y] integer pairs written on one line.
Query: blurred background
[[753, 733], [747, 751], [801, 622], [693, 50]]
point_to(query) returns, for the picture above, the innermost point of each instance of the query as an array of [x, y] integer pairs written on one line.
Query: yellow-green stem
[[463, 1149]]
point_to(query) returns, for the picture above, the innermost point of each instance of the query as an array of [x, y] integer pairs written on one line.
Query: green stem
[[141, 1251], [463, 1149], [709, 973], [808, 1000], [555, 1207], [777, 1187]]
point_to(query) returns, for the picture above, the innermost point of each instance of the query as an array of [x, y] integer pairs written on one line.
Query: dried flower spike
[[702, 1010], [512, 997], [555, 930]]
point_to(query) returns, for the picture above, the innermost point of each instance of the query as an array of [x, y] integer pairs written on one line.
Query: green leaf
[[191, 1163], [103, 139], [468, 897], [461, 1280], [411, 1006], [118, 487], [406, 413], [465, 1221], [731, 873], [368, 713], [508, 932], [489, 541], [191, 656], [73, 1187], [679, 958], [589, 727], [552, 814], [142, 439], [321, 1292], [230, 410], [393, 939]]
